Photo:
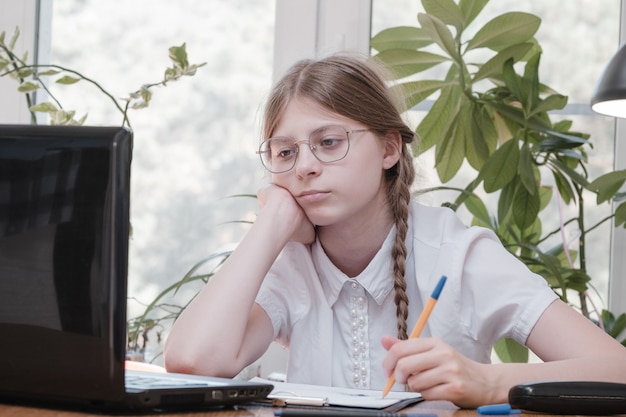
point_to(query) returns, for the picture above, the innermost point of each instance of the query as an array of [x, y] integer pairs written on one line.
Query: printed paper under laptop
[[64, 229]]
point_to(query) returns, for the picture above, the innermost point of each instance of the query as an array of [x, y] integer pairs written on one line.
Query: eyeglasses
[[328, 144]]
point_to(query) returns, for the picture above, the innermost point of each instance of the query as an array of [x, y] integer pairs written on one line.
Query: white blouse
[[333, 324]]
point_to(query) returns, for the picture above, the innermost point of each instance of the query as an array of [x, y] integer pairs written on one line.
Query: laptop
[[64, 231]]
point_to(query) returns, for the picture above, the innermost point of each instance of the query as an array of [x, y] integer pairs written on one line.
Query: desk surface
[[441, 408]]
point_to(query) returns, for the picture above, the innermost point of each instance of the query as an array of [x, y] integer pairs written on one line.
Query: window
[[578, 40], [199, 131], [194, 146]]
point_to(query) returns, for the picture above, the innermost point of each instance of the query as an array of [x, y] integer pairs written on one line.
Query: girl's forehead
[[305, 113]]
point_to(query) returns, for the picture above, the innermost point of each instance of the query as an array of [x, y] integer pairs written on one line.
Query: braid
[[399, 196]]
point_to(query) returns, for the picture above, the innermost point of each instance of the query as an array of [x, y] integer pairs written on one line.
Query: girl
[[340, 259]]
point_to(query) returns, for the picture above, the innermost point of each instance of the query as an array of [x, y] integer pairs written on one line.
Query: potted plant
[[492, 112]]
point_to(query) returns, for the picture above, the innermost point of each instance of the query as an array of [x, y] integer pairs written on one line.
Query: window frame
[[337, 25], [34, 19], [617, 262]]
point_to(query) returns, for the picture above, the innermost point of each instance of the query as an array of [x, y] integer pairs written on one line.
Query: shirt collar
[[333, 280]]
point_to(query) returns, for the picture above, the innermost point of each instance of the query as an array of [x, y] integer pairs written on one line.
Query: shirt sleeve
[[489, 294], [284, 292], [504, 297]]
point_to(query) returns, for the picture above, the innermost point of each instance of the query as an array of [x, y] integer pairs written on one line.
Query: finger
[[457, 391], [389, 361], [442, 368], [388, 341], [398, 350], [419, 356], [414, 346]]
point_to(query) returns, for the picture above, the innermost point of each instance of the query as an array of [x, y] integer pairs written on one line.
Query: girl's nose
[[306, 163]]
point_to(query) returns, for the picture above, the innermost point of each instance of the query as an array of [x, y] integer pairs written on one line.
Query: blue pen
[[497, 409]]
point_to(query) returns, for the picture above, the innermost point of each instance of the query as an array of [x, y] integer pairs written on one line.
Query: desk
[[441, 408]]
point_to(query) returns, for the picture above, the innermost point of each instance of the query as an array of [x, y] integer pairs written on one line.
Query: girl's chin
[[322, 219]]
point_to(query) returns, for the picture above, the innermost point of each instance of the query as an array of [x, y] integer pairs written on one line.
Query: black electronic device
[[570, 397]]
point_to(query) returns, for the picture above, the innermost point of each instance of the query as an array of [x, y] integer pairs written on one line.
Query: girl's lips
[[312, 196]]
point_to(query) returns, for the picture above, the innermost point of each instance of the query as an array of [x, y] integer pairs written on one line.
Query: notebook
[[64, 231]]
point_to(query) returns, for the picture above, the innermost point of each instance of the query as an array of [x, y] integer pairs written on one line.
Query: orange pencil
[[419, 326]]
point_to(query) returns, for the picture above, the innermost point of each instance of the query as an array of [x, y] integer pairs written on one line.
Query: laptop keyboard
[[162, 381]]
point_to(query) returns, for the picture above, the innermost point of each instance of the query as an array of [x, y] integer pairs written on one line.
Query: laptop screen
[[64, 227]]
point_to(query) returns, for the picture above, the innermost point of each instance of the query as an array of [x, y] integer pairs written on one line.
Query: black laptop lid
[[64, 227]]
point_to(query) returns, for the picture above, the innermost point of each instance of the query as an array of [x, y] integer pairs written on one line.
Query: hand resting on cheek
[[280, 200]]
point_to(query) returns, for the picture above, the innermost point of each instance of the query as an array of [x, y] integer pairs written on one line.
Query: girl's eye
[[285, 153], [330, 141]]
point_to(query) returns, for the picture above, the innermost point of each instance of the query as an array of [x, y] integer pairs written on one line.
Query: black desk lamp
[[610, 95]]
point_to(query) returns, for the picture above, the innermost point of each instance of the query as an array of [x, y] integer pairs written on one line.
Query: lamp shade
[[610, 95]]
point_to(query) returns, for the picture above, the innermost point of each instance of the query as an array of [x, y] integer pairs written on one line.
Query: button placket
[[360, 348]]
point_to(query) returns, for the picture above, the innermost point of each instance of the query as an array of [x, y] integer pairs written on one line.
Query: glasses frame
[[309, 145]]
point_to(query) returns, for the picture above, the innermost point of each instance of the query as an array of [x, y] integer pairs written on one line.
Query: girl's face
[[349, 189]]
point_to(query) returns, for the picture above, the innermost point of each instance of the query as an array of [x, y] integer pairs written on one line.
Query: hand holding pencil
[[419, 326]]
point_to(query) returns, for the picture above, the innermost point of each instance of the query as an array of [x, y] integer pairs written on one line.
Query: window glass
[[195, 144], [578, 40]]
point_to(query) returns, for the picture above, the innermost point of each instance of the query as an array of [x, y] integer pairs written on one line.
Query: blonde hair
[[355, 87]]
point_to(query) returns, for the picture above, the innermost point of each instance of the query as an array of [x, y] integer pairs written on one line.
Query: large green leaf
[[505, 201], [514, 115], [439, 32], [447, 11], [450, 153], [494, 66], [513, 82], [563, 186], [505, 30], [607, 185], [525, 207], [417, 91], [526, 169], [403, 62], [577, 280], [545, 196], [613, 326], [501, 167], [552, 102], [470, 9], [558, 141], [477, 207], [439, 120], [400, 37], [572, 174], [481, 138], [530, 83]]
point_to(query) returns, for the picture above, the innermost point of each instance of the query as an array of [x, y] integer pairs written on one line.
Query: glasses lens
[[330, 143], [278, 154]]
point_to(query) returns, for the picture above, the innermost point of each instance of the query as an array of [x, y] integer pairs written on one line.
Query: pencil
[[419, 326]]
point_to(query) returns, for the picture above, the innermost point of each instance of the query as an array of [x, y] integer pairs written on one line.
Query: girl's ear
[[393, 148]]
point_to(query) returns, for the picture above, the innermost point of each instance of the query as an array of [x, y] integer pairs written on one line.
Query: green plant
[[494, 115], [31, 78]]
